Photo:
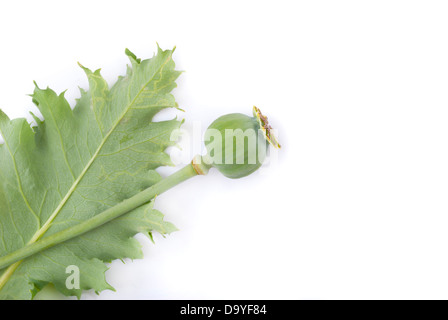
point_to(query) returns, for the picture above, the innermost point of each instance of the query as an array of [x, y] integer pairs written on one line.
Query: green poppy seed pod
[[237, 144]]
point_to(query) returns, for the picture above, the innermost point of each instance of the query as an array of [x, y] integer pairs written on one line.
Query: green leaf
[[77, 163]]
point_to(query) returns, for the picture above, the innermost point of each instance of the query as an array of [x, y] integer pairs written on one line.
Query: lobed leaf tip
[[81, 90], [178, 108], [173, 229], [160, 50], [3, 114], [86, 70], [109, 287], [150, 236], [37, 89], [132, 56], [36, 118]]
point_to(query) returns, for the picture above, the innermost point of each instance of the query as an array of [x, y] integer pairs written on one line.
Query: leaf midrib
[[10, 270]]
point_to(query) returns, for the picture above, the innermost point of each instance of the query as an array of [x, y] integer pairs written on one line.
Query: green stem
[[13, 259]]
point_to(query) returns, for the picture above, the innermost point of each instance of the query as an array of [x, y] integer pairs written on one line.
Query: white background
[[356, 205]]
